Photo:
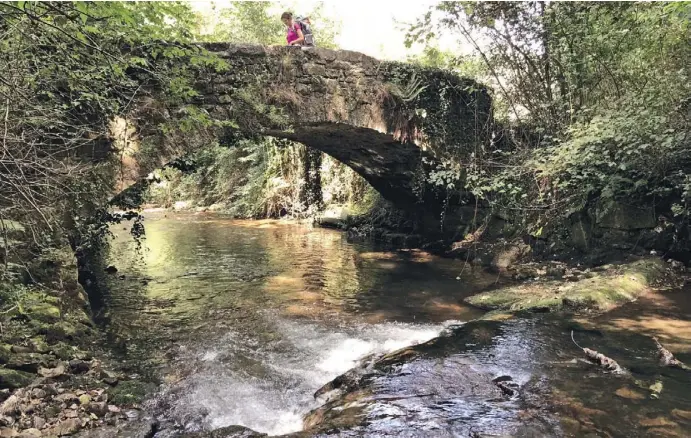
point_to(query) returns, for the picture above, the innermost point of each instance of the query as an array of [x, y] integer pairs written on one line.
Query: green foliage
[[69, 69], [594, 98], [467, 66], [247, 22], [255, 178], [259, 23]]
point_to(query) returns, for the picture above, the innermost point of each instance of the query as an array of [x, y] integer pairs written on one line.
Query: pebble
[[7, 432], [79, 366], [66, 397], [39, 422], [98, 408], [52, 372], [65, 427], [38, 393]]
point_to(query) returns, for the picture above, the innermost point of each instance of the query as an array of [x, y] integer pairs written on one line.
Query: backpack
[[306, 30]]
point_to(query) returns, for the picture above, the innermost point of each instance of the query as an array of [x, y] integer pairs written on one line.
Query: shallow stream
[[242, 321]]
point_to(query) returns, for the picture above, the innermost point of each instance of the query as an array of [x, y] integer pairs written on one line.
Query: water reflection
[[245, 319]]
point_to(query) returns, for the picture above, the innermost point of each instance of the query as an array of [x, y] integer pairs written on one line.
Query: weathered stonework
[[379, 118]]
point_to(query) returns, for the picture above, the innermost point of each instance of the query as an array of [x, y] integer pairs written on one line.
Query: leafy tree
[[603, 88], [68, 70], [259, 23]]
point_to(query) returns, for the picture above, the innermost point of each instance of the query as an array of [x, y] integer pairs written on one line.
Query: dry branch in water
[[606, 363], [667, 359]]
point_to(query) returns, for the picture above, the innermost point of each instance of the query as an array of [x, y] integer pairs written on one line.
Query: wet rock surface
[[444, 387], [144, 428], [519, 378]]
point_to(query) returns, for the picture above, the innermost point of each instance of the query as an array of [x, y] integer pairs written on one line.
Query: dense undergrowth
[[594, 97], [263, 178]]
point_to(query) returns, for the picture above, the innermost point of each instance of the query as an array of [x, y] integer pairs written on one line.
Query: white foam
[[272, 388]]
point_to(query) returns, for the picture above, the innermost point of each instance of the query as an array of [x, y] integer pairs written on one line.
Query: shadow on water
[[243, 321]]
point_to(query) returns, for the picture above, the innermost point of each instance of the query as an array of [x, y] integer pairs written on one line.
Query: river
[[242, 321]]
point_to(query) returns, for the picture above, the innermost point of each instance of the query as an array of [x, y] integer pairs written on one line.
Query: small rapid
[[275, 387]]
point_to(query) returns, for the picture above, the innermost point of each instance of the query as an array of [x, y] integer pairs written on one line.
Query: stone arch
[[385, 120]]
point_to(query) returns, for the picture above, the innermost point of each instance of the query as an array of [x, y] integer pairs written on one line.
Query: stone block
[[314, 69], [246, 50]]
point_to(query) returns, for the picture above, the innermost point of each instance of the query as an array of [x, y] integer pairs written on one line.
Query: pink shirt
[[293, 33]]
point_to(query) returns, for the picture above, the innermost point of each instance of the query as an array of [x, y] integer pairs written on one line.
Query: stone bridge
[[386, 120]]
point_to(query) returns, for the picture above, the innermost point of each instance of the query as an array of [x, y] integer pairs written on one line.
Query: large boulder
[[440, 388], [620, 216]]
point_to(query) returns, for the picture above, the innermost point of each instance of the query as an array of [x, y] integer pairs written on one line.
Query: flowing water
[[244, 320]]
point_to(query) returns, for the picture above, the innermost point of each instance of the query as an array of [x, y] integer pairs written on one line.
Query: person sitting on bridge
[[298, 31]]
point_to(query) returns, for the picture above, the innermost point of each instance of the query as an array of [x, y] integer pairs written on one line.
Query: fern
[[411, 91]]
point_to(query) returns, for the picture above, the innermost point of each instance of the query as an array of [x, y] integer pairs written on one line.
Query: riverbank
[[56, 377]]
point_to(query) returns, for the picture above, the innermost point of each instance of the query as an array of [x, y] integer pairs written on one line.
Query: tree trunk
[[311, 193]]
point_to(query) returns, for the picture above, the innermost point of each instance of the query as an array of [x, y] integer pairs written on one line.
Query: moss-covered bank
[[600, 289], [54, 378]]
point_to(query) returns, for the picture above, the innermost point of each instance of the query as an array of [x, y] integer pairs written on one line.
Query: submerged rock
[[599, 291], [145, 428], [440, 388], [229, 432]]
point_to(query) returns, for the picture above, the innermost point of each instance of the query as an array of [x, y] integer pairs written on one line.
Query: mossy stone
[[13, 379], [130, 392], [44, 312], [5, 353], [39, 344]]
